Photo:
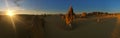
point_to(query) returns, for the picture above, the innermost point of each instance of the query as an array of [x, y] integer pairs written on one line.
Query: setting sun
[[10, 13]]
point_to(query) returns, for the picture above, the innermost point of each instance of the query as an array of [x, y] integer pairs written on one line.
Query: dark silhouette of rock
[[70, 11], [38, 26]]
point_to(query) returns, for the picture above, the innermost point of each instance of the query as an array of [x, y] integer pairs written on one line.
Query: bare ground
[[31, 26]]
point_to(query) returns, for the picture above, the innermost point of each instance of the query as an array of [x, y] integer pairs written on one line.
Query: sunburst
[[10, 12]]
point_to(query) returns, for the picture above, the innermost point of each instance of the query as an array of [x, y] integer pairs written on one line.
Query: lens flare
[[10, 13]]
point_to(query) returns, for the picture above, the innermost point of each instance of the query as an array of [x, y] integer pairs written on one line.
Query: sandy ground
[[30, 26], [87, 28]]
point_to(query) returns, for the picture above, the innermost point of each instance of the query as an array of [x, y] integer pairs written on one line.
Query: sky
[[61, 6]]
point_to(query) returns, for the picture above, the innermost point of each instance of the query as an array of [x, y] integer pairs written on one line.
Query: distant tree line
[[98, 13], [84, 14]]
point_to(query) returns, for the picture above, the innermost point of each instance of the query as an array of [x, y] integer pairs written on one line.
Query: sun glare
[[10, 13]]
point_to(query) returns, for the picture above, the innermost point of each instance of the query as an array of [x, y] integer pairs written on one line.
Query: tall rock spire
[[69, 16], [70, 11]]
